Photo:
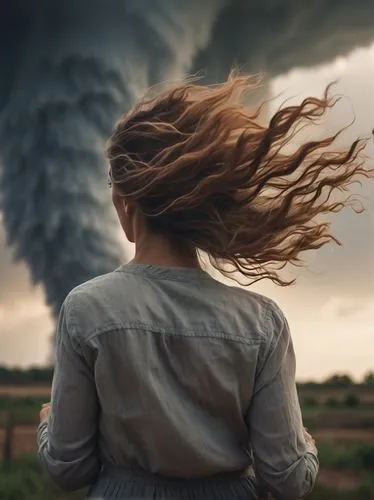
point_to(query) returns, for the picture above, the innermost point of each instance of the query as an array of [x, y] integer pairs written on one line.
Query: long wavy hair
[[204, 170]]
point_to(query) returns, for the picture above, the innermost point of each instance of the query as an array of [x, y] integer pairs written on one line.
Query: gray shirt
[[170, 371]]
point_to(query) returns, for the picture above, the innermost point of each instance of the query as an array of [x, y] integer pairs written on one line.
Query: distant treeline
[[343, 380], [18, 376], [43, 375]]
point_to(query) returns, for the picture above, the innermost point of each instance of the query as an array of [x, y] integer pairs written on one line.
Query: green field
[[340, 418]]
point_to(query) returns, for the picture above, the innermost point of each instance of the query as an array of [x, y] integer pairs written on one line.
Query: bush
[[332, 402], [351, 400], [310, 401], [365, 455], [25, 409], [26, 403], [334, 458], [357, 457]]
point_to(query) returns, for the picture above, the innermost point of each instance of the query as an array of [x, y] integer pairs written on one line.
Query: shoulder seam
[[187, 334]]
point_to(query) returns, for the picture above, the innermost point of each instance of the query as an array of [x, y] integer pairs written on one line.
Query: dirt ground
[[25, 390], [24, 440], [340, 480], [336, 435]]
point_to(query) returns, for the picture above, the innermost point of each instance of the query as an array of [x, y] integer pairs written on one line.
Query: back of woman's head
[[203, 170]]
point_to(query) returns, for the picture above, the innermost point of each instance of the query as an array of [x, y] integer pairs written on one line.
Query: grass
[[21, 403], [359, 456], [344, 417], [25, 410], [26, 481]]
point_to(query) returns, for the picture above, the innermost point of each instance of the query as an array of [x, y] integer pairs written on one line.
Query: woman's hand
[[45, 412], [308, 438]]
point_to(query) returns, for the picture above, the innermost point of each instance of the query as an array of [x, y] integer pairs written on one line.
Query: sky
[[330, 309]]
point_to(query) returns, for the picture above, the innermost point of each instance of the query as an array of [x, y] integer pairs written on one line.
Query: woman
[[169, 384]]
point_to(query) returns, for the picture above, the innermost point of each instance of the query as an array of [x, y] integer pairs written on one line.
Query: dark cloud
[[75, 67], [275, 36], [15, 279], [69, 68]]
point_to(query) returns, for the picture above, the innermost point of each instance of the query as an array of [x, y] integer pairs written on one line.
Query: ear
[[126, 207], [129, 207]]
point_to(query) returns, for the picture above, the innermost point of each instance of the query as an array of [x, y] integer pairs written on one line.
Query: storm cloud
[[68, 69]]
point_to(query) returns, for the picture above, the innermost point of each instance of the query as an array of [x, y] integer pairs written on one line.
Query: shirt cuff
[[42, 435]]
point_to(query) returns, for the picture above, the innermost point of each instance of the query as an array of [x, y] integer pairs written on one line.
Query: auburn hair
[[203, 169]]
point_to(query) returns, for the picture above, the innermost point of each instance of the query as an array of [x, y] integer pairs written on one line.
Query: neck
[[158, 250]]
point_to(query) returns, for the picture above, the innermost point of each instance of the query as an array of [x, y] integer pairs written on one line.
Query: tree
[[32, 375], [369, 378], [339, 380]]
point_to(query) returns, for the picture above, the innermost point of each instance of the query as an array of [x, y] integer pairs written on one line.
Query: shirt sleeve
[[68, 441], [284, 463]]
